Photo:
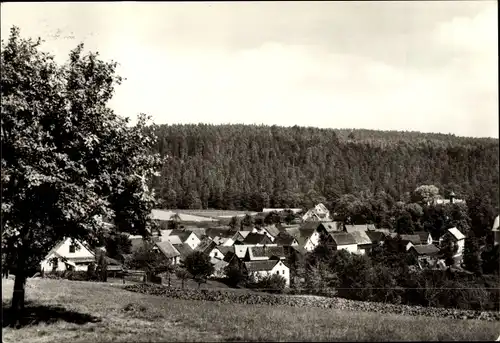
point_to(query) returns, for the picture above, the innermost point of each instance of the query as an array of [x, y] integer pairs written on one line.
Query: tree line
[[250, 167]]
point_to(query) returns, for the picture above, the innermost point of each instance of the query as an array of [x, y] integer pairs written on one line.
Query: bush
[[273, 284]]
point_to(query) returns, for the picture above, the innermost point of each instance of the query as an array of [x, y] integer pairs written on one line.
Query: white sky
[[419, 66]]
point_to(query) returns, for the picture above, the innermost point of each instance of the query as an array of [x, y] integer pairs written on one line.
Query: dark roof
[[255, 266], [167, 249], [293, 231], [184, 249], [353, 228], [423, 236], [182, 234], [220, 232], [229, 255], [376, 236], [332, 226], [284, 239], [361, 237], [428, 249], [414, 239], [272, 229], [266, 252], [300, 249], [343, 238], [255, 238], [306, 232], [225, 249], [309, 226], [206, 246]]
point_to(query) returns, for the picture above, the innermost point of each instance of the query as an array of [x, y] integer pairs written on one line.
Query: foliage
[[117, 245], [491, 259], [472, 255], [182, 274], [199, 266], [425, 193], [254, 167], [235, 275], [271, 283], [150, 261], [67, 159]]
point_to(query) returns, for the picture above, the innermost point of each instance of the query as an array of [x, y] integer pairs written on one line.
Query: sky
[[411, 65]]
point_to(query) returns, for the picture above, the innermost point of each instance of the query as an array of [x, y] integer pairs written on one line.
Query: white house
[[495, 231], [263, 231], [457, 237], [68, 255], [259, 269], [344, 241], [169, 251], [183, 236]]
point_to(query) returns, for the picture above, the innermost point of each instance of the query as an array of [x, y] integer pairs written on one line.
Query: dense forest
[[251, 167]]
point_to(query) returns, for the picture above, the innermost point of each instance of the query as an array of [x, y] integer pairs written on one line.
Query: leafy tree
[[67, 159], [272, 283], [235, 274], [102, 267], [425, 193], [118, 245], [199, 266], [472, 255], [448, 249], [491, 259], [272, 218], [150, 261], [247, 221], [234, 222], [183, 275]]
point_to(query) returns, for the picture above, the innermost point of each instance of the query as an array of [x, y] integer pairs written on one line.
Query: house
[[183, 236], [270, 231], [457, 237], [355, 228], [318, 213], [184, 249], [209, 247], [169, 251], [363, 241], [344, 241], [426, 255], [241, 235], [452, 200], [414, 239], [259, 269], [68, 254], [308, 238], [376, 237], [222, 232], [385, 231], [495, 231], [284, 239], [257, 239], [425, 237], [264, 253]]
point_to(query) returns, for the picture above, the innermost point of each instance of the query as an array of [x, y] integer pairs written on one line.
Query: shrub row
[[228, 296]]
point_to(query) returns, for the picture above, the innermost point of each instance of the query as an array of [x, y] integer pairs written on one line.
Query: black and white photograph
[[242, 171]]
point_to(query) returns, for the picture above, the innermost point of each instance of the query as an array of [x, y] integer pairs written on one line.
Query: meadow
[[77, 311]]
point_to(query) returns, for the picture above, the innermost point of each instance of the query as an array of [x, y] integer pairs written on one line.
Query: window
[[215, 254], [283, 272], [72, 248], [277, 272]]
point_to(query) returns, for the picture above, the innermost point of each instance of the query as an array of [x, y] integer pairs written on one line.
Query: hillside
[[62, 311], [250, 167]]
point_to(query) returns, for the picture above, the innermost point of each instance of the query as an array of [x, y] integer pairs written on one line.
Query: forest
[[249, 167]]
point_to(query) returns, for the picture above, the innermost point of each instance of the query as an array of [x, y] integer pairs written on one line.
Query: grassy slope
[[163, 319]]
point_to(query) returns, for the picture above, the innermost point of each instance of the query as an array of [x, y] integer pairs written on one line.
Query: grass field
[[105, 312]]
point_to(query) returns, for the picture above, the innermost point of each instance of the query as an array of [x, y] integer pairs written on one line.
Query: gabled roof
[[167, 249], [343, 238], [429, 249], [496, 224], [220, 232], [354, 228], [206, 246], [414, 239], [306, 233], [225, 249], [62, 241], [456, 233], [375, 236], [371, 226], [284, 239], [182, 234], [218, 264], [255, 238], [265, 252], [244, 234], [308, 226], [293, 231], [257, 266], [174, 239], [272, 229], [184, 249], [300, 249], [332, 226], [361, 237], [424, 236]]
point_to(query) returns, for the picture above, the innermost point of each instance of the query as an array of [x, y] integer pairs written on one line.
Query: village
[[263, 250]]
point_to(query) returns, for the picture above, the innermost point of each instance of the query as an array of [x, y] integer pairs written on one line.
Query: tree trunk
[[17, 305]]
